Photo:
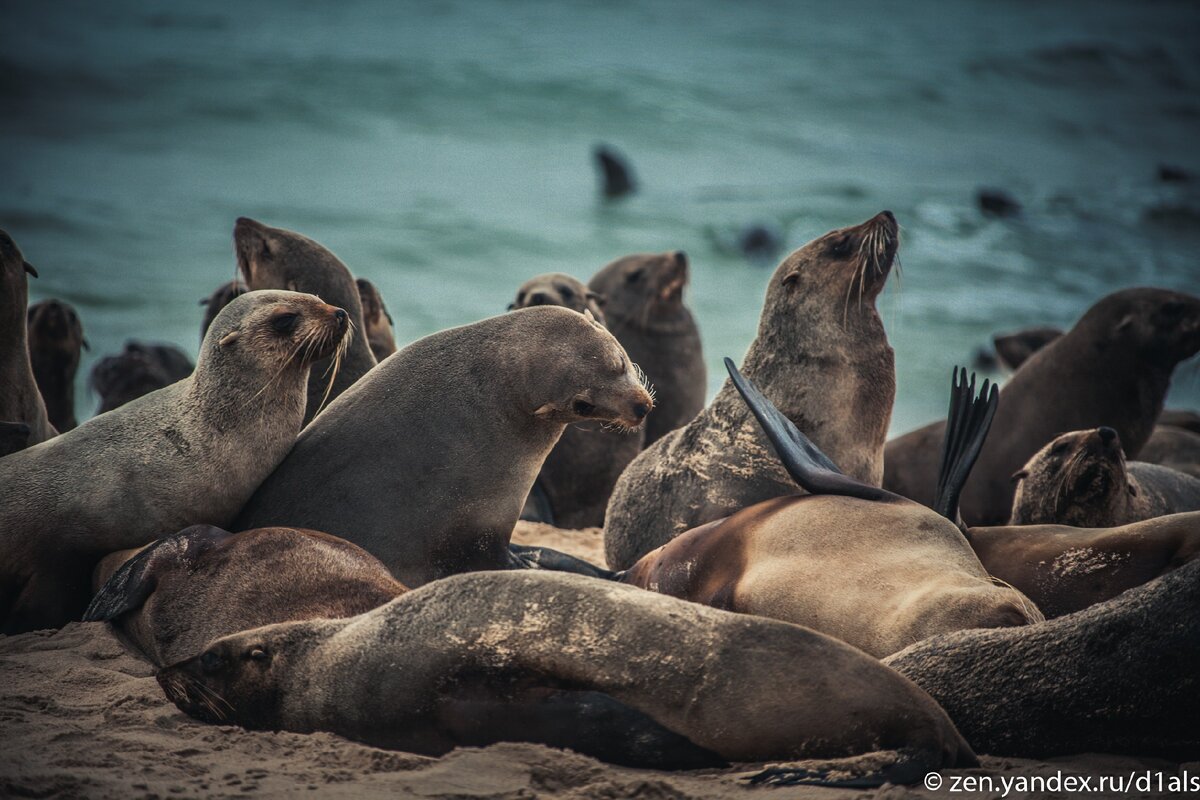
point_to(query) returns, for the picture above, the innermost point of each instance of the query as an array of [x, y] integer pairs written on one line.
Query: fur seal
[[579, 474], [55, 343], [190, 453], [821, 355], [274, 258], [643, 301], [20, 401], [1064, 569], [1180, 418], [14, 436], [873, 569], [220, 298], [1082, 479], [1014, 349], [185, 590], [1177, 448], [1112, 368], [141, 368], [458, 657], [427, 462], [1119, 677], [378, 322]]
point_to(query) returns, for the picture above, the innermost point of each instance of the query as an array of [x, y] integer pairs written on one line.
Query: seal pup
[[189, 453], [185, 590], [1082, 479], [220, 298], [1112, 368], [55, 344], [427, 461], [741, 687], [14, 436], [274, 258], [140, 368], [1014, 349], [1065, 569], [643, 300], [377, 320], [1119, 677], [575, 482], [823, 358], [850, 560], [20, 401]]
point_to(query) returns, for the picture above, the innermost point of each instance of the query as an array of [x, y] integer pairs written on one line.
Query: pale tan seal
[[560, 289], [190, 453], [378, 322], [821, 355], [20, 401], [1082, 479]]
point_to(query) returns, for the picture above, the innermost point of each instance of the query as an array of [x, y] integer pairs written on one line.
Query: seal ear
[[229, 338], [545, 410], [791, 277], [86, 346], [511, 306], [597, 298], [1125, 322], [29, 268], [1133, 492], [1019, 475]]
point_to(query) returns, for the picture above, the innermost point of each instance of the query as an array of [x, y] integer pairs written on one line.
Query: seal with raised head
[[1082, 479], [20, 400], [560, 289], [874, 569], [187, 454], [1112, 368], [275, 258], [55, 344], [821, 355], [643, 302], [178, 594], [139, 369], [377, 320], [740, 687], [1119, 677], [427, 462], [220, 298]]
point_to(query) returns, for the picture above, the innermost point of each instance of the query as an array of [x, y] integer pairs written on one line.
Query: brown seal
[[180, 593], [873, 569], [427, 461], [1082, 479], [20, 401], [220, 298], [1066, 569], [821, 355], [579, 474], [274, 258], [139, 369], [55, 344], [187, 454], [643, 302], [1119, 677], [1177, 448], [459, 657], [1112, 368], [378, 322]]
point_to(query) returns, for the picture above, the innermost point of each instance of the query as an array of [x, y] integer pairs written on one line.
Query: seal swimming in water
[[190, 453], [874, 569], [643, 301], [1119, 677], [461, 659], [55, 345], [377, 320], [180, 593], [20, 401], [1112, 368], [275, 258], [821, 355], [427, 461], [139, 369], [1082, 479]]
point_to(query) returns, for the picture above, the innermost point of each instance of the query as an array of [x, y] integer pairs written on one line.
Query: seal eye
[[634, 276], [211, 662], [583, 408], [840, 246], [285, 323], [567, 294]]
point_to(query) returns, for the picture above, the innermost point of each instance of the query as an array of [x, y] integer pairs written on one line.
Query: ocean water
[[442, 150]]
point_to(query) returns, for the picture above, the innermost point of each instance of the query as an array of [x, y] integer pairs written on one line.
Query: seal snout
[[1106, 434]]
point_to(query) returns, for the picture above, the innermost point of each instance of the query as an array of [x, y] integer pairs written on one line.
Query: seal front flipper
[[804, 461], [967, 424], [523, 556]]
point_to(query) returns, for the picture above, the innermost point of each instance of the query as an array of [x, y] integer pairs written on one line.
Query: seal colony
[[253, 527]]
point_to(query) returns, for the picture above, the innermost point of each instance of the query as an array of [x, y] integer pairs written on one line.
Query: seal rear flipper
[[135, 580], [524, 556], [854, 772], [967, 424], [804, 461]]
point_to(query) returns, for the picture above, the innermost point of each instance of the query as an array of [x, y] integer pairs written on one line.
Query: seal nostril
[[1107, 434], [680, 258], [640, 410], [538, 299], [340, 316]]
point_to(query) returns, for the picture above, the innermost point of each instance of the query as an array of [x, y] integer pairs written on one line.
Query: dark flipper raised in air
[[967, 426], [804, 461], [528, 556]]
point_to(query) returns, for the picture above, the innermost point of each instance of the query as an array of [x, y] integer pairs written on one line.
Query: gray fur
[[20, 400]]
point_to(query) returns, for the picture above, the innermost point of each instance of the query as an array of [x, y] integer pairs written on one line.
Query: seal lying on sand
[[1082, 479], [192, 452], [376, 320], [876, 570], [20, 400], [463, 660], [274, 258], [139, 369], [1113, 368], [1119, 677], [822, 357], [183, 591], [55, 344], [427, 461]]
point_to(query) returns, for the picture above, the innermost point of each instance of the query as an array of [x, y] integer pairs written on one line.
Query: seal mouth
[[673, 279], [192, 696]]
